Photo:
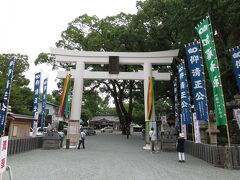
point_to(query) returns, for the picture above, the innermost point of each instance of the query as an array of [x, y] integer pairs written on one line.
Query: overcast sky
[[32, 26]]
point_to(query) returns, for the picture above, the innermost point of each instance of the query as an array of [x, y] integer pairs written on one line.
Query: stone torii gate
[[146, 59]]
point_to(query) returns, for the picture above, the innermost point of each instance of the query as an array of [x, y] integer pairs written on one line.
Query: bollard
[[8, 168], [67, 143]]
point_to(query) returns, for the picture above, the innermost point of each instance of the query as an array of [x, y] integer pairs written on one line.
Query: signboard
[[73, 131], [3, 153], [113, 65]]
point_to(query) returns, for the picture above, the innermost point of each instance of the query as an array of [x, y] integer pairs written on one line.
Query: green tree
[[174, 21], [158, 25]]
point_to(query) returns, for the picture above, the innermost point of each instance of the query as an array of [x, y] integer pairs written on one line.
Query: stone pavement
[[112, 157]]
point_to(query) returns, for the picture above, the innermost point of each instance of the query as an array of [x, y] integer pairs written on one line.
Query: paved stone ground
[[112, 157]]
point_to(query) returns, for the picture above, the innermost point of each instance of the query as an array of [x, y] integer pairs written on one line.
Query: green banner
[[210, 57]]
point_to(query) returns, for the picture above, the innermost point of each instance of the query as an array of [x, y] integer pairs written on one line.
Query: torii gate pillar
[[77, 92], [148, 123]]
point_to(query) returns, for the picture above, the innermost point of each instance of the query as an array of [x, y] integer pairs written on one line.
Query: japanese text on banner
[[204, 32], [197, 79], [185, 103]]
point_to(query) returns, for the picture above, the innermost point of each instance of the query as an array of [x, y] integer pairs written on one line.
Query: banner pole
[[209, 127], [193, 132], [228, 135], [190, 115]]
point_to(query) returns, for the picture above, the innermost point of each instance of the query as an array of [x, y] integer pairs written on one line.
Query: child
[[180, 147]]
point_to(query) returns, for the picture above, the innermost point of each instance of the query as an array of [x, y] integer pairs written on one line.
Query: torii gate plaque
[[146, 59]]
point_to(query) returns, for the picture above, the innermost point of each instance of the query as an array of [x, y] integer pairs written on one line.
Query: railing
[[19, 145], [220, 156]]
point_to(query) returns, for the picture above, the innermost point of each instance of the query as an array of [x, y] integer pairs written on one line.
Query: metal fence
[[19, 145], [220, 156]]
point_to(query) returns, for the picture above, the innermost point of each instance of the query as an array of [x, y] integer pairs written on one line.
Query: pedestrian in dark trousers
[[82, 136], [180, 147]]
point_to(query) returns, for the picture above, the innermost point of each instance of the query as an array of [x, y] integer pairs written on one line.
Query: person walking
[[81, 139], [180, 147], [128, 132], [143, 133], [152, 138]]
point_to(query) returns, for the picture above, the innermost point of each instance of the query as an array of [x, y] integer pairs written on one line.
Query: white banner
[[184, 131], [236, 113], [164, 119], [183, 128], [196, 129], [34, 129], [3, 153], [53, 118]]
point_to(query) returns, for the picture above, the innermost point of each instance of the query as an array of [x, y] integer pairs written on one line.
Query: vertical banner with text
[[183, 128], [184, 91], [236, 113], [3, 153], [235, 58], [196, 129], [210, 56], [176, 103], [197, 78], [36, 92], [3, 112], [44, 98]]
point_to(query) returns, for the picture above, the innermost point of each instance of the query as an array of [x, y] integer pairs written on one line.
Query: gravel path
[[112, 157]]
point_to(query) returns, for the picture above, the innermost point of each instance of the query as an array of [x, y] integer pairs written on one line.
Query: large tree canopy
[[158, 25], [175, 21]]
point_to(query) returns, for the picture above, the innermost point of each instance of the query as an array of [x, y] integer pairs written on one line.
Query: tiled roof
[[108, 118], [21, 116]]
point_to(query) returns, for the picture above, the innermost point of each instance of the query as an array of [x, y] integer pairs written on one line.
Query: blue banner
[[185, 102], [36, 92], [195, 68], [176, 104], [44, 98], [235, 58], [6, 94]]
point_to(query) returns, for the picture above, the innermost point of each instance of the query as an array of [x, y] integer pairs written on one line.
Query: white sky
[[32, 26]]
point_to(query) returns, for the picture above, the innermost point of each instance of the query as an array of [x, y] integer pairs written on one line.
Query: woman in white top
[[152, 136]]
